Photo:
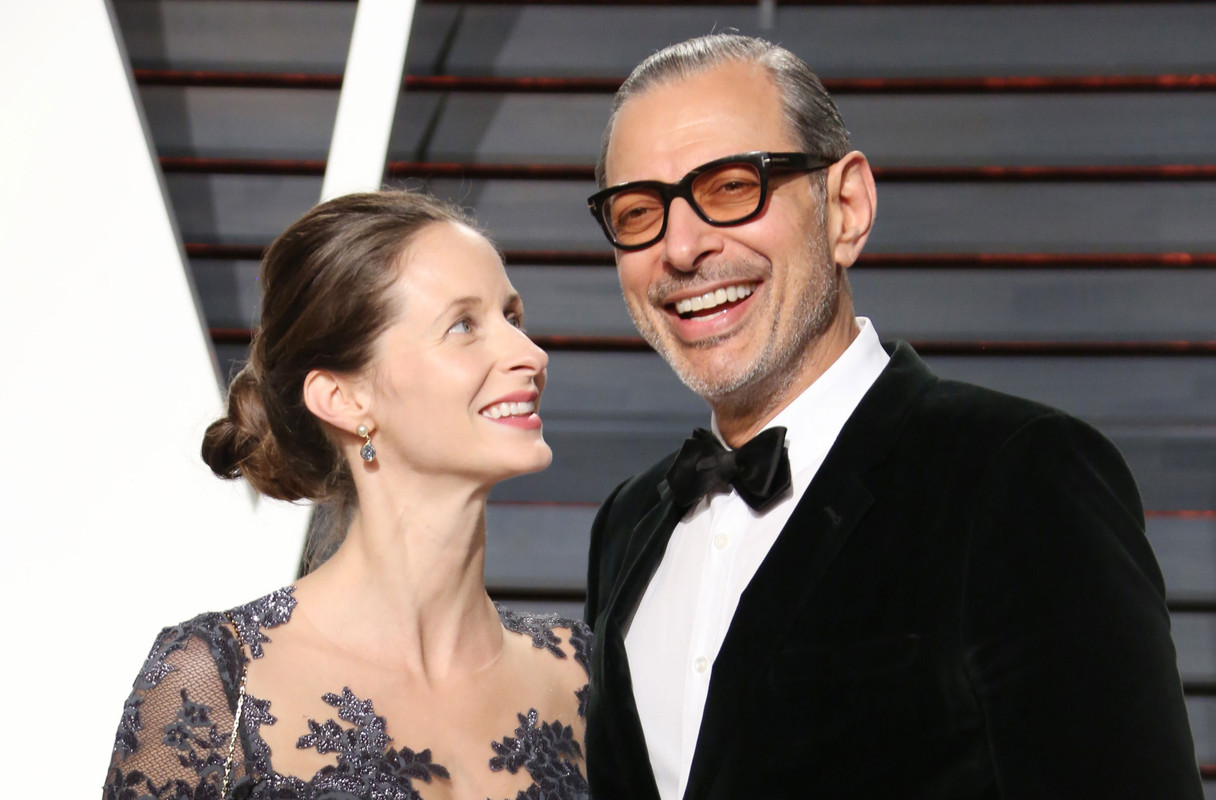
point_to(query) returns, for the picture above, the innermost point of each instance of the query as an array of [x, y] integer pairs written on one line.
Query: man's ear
[[337, 400], [852, 202]]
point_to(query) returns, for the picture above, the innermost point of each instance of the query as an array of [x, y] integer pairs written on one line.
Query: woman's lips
[[517, 410]]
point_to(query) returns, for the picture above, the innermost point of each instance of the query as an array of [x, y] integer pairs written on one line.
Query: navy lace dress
[[176, 729]]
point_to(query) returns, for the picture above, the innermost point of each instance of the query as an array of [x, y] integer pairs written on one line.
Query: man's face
[[770, 284]]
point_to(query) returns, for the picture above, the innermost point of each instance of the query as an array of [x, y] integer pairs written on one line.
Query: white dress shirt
[[713, 553]]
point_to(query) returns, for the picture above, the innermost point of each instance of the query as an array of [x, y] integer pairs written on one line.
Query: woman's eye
[[461, 326], [517, 320]]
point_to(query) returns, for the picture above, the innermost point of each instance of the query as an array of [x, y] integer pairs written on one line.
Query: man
[[945, 593]]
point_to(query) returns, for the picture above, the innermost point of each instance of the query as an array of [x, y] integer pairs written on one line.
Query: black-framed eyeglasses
[[726, 191]]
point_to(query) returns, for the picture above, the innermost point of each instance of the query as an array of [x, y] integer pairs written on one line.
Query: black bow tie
[[759, 470]]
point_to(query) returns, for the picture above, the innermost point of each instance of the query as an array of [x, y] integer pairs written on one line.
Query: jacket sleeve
[[1065, 625]]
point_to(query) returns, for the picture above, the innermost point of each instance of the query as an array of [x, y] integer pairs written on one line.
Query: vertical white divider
[[370, 87], [112, 525]]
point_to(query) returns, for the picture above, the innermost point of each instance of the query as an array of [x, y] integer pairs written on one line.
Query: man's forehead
[[730, 108], [744, 86]]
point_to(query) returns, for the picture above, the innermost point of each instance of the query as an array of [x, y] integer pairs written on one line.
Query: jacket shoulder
[[953, 424], [977, 407], [910, 404], [931, 427]]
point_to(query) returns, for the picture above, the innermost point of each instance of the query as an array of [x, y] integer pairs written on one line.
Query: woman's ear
[[337, 400], [852, 203]]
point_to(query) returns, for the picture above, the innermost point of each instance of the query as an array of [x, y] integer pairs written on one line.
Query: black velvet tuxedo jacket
[[962, 605]]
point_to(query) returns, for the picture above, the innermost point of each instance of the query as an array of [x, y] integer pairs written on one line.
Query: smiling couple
[[862, 581]]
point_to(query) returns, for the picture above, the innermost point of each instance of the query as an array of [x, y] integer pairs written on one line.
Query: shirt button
[[701, 664], [721, 541]]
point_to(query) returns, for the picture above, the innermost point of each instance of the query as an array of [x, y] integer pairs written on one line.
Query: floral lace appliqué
[[580, 639], [267, 612], [129, 726], [547, 753], [538, 626], [367, 766], [156, 665], [198, 744]]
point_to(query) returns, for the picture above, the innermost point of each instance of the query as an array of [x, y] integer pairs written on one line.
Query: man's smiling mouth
[[712, 302]]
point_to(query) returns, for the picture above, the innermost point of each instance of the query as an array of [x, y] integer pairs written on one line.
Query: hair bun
[[241, 443]]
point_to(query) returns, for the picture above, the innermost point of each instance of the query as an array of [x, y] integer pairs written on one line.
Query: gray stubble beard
[[771, 375]]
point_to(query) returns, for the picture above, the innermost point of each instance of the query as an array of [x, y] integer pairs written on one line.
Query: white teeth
[[500, 410], [715, 298]]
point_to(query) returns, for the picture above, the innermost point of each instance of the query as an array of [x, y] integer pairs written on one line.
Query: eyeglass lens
[[724, 194]]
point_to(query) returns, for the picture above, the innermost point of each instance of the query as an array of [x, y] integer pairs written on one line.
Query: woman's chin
[[536, 461], [540, 460]]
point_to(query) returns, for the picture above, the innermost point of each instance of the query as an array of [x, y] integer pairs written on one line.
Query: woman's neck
[[406, 589]]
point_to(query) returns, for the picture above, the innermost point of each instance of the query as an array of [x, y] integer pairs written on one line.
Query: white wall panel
[[113, 525]]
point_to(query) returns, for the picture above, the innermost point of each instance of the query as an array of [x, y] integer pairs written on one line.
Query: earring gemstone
[[367, 452]]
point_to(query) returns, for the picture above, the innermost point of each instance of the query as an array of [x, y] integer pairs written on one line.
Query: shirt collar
[[814, 418]]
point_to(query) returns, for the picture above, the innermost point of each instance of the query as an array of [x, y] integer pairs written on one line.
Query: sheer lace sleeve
[[173, 738]]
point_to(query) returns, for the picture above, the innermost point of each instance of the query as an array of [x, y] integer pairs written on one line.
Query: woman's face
[[455, 382]]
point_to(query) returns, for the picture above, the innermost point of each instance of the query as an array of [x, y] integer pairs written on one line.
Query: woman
[[391, 380]]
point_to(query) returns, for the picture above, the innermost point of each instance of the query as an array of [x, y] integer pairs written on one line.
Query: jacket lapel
[[788, 576], [830, 509], [644, 551]]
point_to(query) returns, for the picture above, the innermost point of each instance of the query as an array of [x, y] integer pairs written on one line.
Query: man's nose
[[688, 237]]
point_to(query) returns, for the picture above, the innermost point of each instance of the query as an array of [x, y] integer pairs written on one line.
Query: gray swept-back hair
[[809, 110]]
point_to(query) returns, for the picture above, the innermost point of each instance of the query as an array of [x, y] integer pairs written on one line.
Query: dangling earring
[[368, 451]]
